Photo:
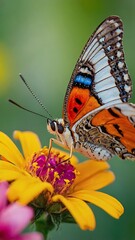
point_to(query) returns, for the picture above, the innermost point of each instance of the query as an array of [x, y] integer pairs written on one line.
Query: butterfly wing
[[118, 123], [100, 76], [108, 132]]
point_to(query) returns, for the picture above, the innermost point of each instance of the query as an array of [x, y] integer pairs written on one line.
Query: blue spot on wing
[[86, 81]]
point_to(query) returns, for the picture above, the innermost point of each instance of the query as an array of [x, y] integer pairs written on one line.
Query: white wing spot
[[127, 88], [109, 48], [118, 45], [111, 21], [119, 54], [101, 39], [118, 31], [126, 77], [120, 65], [85, 70], [116, 24], [118, 38], [112, 57]]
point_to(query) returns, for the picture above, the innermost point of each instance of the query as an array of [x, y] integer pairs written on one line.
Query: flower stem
[[44, 225]]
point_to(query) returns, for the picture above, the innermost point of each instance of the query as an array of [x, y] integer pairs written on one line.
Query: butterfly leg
[[59, 143], [71, 151], [50, 144]]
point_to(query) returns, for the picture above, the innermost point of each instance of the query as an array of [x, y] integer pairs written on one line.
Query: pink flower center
[[53, 169]]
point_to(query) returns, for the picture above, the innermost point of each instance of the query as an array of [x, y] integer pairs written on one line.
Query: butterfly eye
[[52, 125], [60, 129]]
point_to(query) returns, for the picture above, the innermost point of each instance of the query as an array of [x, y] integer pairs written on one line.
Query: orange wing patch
[[117, 125], [79, 103]]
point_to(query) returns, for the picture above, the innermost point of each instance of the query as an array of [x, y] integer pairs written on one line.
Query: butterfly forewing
[[100, 75]]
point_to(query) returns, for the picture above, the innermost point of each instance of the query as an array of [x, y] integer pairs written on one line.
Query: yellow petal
[[80, 211], [95, 182], [108, 203], [90, 168], [10, 172], [26, 189], [29, 141], [9, 151]]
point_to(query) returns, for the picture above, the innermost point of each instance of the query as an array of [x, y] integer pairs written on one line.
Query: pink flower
[[14, 218]]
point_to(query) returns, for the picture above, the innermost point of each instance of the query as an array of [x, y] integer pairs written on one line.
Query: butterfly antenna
[[16, 104], [34, 95]]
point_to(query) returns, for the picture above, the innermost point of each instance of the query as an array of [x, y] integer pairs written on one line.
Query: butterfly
[[97, 119]]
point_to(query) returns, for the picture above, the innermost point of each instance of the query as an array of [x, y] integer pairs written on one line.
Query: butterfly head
[[55, 127], [62, 132]]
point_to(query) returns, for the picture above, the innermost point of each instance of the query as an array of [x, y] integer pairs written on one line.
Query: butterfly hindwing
[[100, 75], [119, 124], [110, 130]]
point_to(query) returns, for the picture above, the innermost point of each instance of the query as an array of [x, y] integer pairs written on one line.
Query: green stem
[[44, 225]]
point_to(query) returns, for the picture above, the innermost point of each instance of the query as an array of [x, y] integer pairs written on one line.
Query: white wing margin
[[104, 51]]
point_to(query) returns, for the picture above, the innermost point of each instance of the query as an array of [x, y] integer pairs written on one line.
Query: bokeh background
[[42, 40]]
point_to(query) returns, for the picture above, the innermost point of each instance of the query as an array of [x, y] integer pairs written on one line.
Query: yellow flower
[[54, 183]]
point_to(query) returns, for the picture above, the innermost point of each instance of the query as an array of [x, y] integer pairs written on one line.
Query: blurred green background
[[42, 40]]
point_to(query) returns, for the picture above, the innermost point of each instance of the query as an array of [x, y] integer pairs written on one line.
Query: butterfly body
[[97, 119]]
